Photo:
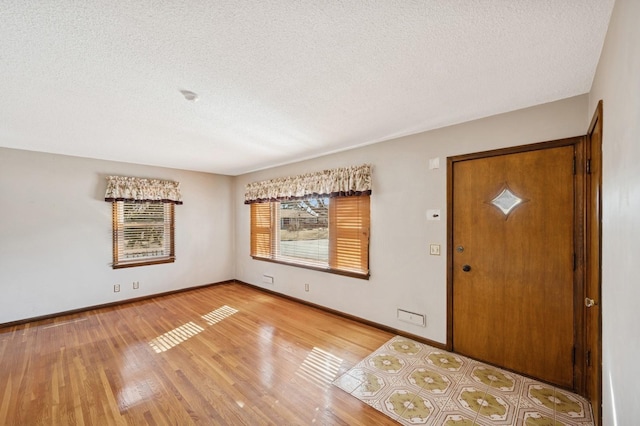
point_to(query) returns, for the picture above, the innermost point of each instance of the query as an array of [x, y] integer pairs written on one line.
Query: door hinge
[[589, 166], [588, 358]]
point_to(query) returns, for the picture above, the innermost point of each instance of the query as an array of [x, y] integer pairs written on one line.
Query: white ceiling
[[277, 80]]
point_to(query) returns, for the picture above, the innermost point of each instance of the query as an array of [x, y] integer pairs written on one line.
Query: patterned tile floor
[[416, 384]]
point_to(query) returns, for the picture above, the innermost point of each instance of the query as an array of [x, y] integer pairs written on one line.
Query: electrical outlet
[[116, 288], [306, 287], [136, 285]]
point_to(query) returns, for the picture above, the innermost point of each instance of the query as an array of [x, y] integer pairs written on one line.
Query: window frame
[[118, 230], [265, 248]]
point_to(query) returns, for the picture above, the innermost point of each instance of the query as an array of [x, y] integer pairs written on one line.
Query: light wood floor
[[186, 358]]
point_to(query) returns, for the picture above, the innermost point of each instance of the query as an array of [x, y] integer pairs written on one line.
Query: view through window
[[304, 230]]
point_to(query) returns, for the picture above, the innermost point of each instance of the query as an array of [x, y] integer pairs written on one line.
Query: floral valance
[[122, 188], [344, 181]]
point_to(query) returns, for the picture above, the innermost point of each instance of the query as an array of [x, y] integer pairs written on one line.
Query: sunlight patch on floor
[[320, 367], [219, 314], [174, 337]]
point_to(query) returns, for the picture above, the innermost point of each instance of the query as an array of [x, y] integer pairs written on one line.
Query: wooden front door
[[512, 259]]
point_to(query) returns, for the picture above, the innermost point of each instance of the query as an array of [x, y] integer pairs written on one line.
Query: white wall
[[55, 234], [617, 83], [403, 274]]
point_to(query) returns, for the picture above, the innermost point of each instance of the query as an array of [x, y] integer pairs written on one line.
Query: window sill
[[351, 274], [131, 264]]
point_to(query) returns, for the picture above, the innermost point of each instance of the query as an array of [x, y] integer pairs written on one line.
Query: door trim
[[593, 251], [578, 143]]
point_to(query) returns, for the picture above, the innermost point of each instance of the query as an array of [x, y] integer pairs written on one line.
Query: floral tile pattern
[[416, 384]]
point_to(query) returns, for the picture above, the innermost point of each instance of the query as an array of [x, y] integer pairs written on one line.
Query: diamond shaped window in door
[[506, 201]]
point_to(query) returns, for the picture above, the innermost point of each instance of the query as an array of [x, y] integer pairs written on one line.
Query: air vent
[[412, 318]]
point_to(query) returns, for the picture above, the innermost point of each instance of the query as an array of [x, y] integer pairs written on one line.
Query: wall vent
[[412, 318]]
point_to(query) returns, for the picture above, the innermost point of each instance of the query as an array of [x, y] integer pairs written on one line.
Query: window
[[319, 220], [323, 233], [143, 216], [143, 233]]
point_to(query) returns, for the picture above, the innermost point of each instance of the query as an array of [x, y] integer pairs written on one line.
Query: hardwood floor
[[186, 358]]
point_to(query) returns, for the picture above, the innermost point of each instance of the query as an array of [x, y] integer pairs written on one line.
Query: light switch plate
[[434, 249]]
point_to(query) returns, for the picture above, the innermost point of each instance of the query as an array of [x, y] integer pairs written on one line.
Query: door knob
[[466, 268], [589, 302]]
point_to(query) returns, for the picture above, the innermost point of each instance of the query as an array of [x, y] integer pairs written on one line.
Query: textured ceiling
[[277, 80]]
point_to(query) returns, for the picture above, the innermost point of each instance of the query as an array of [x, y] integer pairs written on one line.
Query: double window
[[318, 232]]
